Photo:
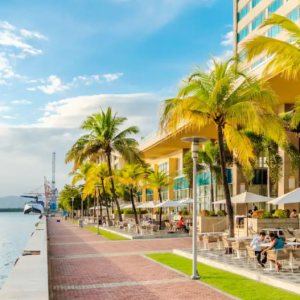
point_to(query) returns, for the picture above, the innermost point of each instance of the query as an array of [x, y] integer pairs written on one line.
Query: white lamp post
[[97, 186], [195, 140], [73, 208]]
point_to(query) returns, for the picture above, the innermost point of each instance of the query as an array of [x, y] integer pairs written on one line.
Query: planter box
[[211, 224], [259, 224]]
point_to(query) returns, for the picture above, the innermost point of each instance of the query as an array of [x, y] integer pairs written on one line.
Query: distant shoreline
[[11, 209]]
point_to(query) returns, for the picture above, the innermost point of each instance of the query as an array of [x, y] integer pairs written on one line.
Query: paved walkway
[[90, 267]]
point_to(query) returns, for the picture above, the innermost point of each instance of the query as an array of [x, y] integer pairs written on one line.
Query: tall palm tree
[[104, 137], [215, 97], [81, 175], [130, 176], [158, 180], [99, 174], [285, 54]]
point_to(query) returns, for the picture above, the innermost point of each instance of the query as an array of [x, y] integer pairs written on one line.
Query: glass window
[[272, 32], [294, 15], [164, 167], [258, 63], [243, 34], [274, 6], [255, 2], [243, 12], [242, 55], [258, 20]]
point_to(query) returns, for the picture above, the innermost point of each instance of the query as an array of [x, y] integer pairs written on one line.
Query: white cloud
[[8, 117], [227, 39], [4, 108], [21, 102], [31, 89], [47, 113], [32, 34], [6, 70], [111, 77], [54, 86], [33, 144]]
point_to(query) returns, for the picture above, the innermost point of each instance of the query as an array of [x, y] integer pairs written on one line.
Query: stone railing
[[29, 277]]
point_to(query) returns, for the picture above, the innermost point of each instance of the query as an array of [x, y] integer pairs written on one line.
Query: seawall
[[29, 277]]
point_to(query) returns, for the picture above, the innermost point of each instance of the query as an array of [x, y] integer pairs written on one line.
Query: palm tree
[[104, 137], [215, 97], [81, 174], [130, 176], [274, 161], [285, 54], [99, 174], [158, 180]]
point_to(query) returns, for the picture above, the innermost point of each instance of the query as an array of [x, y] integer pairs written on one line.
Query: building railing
[[179, 173], [181, 194], [150, 197]]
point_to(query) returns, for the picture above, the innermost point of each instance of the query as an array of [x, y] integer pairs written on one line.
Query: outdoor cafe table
[[266, 245], [269, 230], [211, 233]]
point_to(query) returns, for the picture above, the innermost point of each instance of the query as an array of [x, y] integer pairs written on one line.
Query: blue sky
[[61, 60]]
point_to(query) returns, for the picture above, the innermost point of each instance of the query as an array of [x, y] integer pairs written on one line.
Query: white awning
[[150, 204], [170, 203], [186, 201], [245, 197]]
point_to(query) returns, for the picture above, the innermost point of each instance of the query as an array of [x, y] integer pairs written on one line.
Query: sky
[[61, 61]]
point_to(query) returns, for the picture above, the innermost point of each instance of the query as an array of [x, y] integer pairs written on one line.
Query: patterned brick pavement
[[90, 267]]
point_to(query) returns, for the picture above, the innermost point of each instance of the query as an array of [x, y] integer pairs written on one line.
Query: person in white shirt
[[256, 246]]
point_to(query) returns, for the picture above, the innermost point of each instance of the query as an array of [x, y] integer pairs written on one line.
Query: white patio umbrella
[[291, 197], [150, 204], [186, 201], [170, 203], [123, 205], [98, 207], [246, 198], [137, 204]]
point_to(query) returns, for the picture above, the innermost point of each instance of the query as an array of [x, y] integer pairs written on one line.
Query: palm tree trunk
[[105, 198], [211, 192], [133, 206], [113, 186], [139, 200], [101, 201], [269, 185], [107, 211], [88, 206], [160, 209], [225, 181]]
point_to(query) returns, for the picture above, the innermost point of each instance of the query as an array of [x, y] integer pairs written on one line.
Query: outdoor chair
[[240, 246], [288, 237], [143, 229], [154, 228], [297, 235], [281, 255], [251, 255], [209, 239], [168, 226], [131, 227], [124, 225], [296, 254], [227, 244]]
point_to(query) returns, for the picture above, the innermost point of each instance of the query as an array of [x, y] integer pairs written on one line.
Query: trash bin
[[80, 223]]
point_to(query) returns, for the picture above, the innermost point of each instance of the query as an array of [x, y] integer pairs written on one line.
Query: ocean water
[[15, 231]]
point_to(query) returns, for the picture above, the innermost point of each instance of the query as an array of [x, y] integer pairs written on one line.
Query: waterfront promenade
[[86, 266]]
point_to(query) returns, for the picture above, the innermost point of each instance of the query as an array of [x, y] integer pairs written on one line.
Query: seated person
[[255, 244], [181, 225], [148, 219], [276, 243], [294, 214]]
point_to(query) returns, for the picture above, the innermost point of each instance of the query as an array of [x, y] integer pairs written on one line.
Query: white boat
[[33, 208]]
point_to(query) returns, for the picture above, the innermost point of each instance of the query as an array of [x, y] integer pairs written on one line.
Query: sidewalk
[[86, 266]]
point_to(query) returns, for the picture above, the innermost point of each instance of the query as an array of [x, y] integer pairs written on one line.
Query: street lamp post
[[81, 213], [73, 208], [194, 140], [97, 186], [82, 193]]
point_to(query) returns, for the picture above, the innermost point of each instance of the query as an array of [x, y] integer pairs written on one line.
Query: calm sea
[[15, 231]]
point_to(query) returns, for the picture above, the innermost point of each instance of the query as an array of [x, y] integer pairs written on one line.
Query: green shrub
[[143, 212], [212, 214], [128, 211], [116, 211], [184, 212], [267, 215], [281, 214], [222, 213], [204, 213]]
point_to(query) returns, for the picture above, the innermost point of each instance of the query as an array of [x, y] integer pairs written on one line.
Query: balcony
[[181, 194]]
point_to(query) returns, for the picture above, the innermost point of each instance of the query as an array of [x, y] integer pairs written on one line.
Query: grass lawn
[[228, 282], [106, 234]]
